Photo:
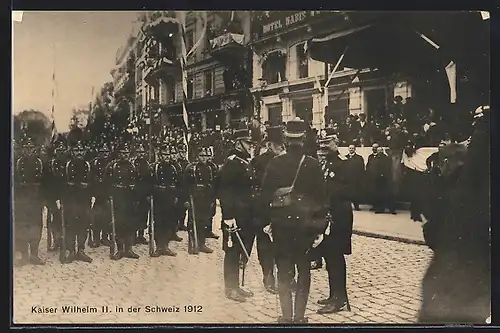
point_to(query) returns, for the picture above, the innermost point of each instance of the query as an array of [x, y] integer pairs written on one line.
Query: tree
[[34, 124]]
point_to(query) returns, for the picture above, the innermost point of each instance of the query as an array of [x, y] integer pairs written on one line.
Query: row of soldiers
[[107, 195]]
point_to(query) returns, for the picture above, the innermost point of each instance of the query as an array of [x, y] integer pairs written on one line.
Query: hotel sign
[[276, 23]]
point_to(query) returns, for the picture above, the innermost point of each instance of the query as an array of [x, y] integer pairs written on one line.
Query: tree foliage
[[36, 125]]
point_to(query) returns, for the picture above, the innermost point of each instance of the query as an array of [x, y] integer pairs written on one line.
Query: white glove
[[268, 230], [230, 223], [424, 219], [92, 202], [58, 204], [327, 231], [318, 241]]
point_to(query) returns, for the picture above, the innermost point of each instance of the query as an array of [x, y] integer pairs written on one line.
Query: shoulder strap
[[298, 170]]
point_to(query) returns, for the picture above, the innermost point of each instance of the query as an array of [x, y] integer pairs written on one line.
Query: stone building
[[218, 69], [287, 82]]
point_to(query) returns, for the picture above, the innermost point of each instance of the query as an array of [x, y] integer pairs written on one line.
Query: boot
[[140, 239], [205, 249], [168, 252], [129, 253], [82, 256], [234, 295], [35, 259], [119, 251], [245, 293], [283, 320], [105, 240], [210, 234], [182, 227], [176, 238], [270, 284], [303, 320], [157, 253], [333, 307], [325, 301]]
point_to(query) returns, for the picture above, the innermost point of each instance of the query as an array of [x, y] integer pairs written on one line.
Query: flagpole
[[53, 133], [181, 17]]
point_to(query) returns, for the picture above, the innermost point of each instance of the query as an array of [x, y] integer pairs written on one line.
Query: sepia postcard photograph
[[250, 167]]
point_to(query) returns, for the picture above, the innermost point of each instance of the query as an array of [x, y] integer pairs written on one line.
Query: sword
[[151, 223], [196, 245], [113, 247], [235, 231], [62, 246]]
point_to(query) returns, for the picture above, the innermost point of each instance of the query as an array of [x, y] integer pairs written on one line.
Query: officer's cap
[[295, 128], [242, 133]]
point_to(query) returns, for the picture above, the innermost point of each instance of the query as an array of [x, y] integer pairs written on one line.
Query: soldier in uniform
[[100, 211], [183, 163], [198, 184], [175, 158], [121, 177], [215, 168], [28, 202], [337, 242], [264, 244], [54, 187], [76, 199], [236, 187], [294, 196], [143, 191], [166, 195]]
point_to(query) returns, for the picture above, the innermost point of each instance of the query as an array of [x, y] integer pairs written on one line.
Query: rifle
[[196, 245], [48, 222], [151, 227], [113, 247], [62, 246]]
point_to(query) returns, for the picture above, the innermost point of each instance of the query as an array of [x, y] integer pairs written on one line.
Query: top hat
[[275, 134], [295, 128], [242, 133]]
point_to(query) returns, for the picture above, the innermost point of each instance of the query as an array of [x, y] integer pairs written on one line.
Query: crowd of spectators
[[393, 128]]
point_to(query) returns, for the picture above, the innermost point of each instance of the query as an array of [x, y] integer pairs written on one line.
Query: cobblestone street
[[383, 283]]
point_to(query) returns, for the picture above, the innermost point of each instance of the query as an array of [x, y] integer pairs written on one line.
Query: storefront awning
[[407, 42], [386, 47]]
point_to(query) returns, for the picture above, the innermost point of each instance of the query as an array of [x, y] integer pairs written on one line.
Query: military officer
[[142, 190], [198, 183], [54, 187], [166, 195], [100, 210], [337, 241], [121, 177], [296, 220], [28, 202], [215, 168], [76, 199], [236, 187], [264, 245]]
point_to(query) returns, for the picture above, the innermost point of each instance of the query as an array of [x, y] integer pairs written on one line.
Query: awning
[[383, 46], [408, 42]]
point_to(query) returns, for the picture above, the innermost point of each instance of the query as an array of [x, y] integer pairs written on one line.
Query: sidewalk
[[397, 227]]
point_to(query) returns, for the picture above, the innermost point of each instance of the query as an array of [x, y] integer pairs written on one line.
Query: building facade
[[218, 70], [123, 75], [288, 83]]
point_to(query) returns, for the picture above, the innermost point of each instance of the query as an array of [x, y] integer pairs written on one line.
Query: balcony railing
[[226, 42], [160, 24]]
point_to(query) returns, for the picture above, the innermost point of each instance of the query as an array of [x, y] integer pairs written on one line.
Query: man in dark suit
[[355, 172], [297, 221]]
